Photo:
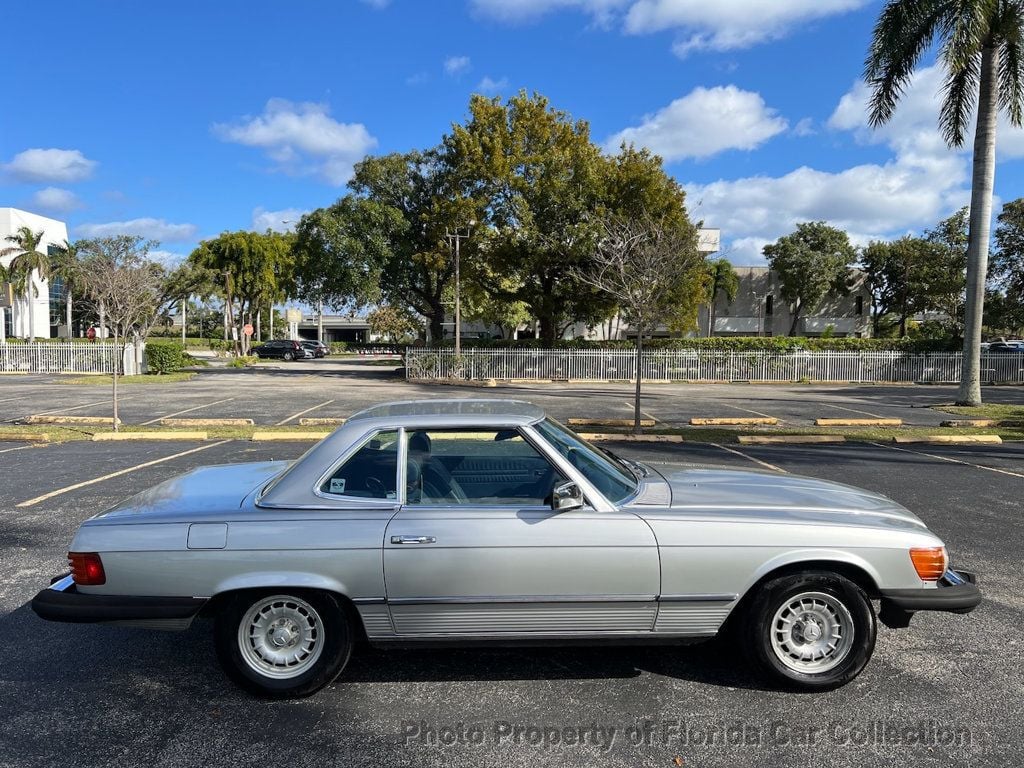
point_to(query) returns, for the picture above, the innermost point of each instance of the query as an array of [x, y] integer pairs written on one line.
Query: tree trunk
[[103, 320], [711, 317], [547, 329], [118, 357], [67, 313], [436, 323], [981, 220], [796, 318], [637, 429]]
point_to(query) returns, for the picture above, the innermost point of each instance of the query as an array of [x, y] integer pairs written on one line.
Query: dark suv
[[284, 349]]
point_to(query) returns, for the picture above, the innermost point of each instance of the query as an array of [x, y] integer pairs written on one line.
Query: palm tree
[[982, 52], [721, 278], [67, 267], [28, 259]]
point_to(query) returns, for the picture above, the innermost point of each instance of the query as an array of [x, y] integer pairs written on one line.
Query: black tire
[[288, 356], [837, 597], [332, 631]]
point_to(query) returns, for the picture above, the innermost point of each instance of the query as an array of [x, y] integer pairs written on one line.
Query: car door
[[476, 550]]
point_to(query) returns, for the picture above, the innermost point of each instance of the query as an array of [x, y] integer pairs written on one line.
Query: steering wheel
[[376, 487]]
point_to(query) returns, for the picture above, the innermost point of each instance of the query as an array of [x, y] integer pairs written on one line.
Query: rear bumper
[[63, 602], [956, 592]]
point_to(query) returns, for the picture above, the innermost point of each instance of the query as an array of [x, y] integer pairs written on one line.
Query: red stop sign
[[247, 329]]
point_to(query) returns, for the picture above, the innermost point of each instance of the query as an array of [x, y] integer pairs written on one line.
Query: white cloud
[[56, 200], [487, 85], [703, 123], [302, 138], [456, 65], [151, 229], [719, 25], [804, 127], [169, 259], [61, 165], [279, 221]]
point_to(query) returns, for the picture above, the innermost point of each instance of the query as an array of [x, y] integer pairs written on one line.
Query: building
[[39, 311], [351, 328], [758, 309]]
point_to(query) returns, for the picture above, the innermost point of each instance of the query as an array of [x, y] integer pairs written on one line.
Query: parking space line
[[747, 410], [19, 448], [951, 460], [302, 413], [57, 411], [751, 458], [187, 410], [643, 413], [853, 410], [125, 471]]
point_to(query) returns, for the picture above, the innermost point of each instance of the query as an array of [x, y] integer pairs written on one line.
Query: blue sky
[[181, 120]]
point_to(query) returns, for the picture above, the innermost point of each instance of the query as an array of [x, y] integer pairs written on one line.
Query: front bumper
[[62, 601], [956, 592]]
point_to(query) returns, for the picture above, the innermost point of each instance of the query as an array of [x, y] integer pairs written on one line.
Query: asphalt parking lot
[[946, 691], [283, 393]]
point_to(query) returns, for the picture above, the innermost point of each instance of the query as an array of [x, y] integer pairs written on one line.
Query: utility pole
[[457, 236]]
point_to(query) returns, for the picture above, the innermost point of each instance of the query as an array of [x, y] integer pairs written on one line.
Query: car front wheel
[[810, 631], [289, 356], [283, 644]]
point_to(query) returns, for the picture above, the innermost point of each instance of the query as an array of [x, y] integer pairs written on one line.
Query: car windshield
[[611, 478]]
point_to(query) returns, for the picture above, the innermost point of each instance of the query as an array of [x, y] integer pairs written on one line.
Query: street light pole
[[457, 235]]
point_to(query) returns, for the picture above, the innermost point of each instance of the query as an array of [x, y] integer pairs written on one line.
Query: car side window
[[370, 473], [476, 467]]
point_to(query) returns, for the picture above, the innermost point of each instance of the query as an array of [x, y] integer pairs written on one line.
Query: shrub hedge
[[727, 344], [165, 356]]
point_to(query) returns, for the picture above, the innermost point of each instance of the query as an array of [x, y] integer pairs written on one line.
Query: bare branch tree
[[654, 272]]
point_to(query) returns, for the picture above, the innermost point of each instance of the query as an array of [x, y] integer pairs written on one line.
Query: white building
[[31, 311]]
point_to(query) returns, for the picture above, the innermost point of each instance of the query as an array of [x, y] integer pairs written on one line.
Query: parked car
[[318, 348], [282, 349], [1006, 346], [468, 521]]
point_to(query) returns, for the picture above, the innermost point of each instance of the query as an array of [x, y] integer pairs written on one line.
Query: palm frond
[[904, 31], [1011, 62], [961, 95]]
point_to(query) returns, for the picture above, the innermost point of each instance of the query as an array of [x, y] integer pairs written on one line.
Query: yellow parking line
[[302, 413], [952, 461], [187, 410], [751, 458], [125, 471]]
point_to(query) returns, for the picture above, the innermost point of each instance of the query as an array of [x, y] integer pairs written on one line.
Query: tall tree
[[655, 274], [901, 276], [810, 262], [940, 281], [722, 279], [1007, 268], [66, 266], [254, 268], [28, 265], [538, 178], [982, 52]]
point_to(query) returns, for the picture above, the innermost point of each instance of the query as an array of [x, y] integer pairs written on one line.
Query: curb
[[729, 421], [117, 436], [25, 437], [79, 420], [13, 373], [321, 421], [206, 422], [609, 422], [947, 439], [308, 436], [970, 423], [610, 436], [796, 439], [858, 422]]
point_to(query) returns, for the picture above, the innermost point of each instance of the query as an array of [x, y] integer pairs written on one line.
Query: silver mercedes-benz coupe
[[463, 521]]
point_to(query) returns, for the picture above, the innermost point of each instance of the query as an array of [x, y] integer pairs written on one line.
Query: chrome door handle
[[413, 540]]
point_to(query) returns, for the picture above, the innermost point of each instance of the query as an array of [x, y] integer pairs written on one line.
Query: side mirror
[[566, 496]]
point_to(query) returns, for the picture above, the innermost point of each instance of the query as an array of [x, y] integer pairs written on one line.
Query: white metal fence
[[63, 357], [701, 365]]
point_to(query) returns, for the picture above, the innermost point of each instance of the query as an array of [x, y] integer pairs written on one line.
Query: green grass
[[146, 378], [990, 411]]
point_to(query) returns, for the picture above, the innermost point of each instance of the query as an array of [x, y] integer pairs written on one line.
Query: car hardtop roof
[[509, 411]]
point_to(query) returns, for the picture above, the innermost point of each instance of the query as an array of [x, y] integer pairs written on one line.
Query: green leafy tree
[[653, 271], [538, 182], [65, 264], [393, 323], [254, 269], [722, 280], [982, 52], [490, 308], [29, 261], [940, 281], [1007, 268], [810, 262], [898, 275]]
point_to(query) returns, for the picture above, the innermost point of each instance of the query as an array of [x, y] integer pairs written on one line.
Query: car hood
[[202, 492], [780, 497]]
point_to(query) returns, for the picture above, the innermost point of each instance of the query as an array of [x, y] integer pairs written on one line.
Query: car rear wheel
[[810, 631], [283, 644]]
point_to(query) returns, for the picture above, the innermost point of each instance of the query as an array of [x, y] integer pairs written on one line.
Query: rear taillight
[[87, 569], [930, 563]]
